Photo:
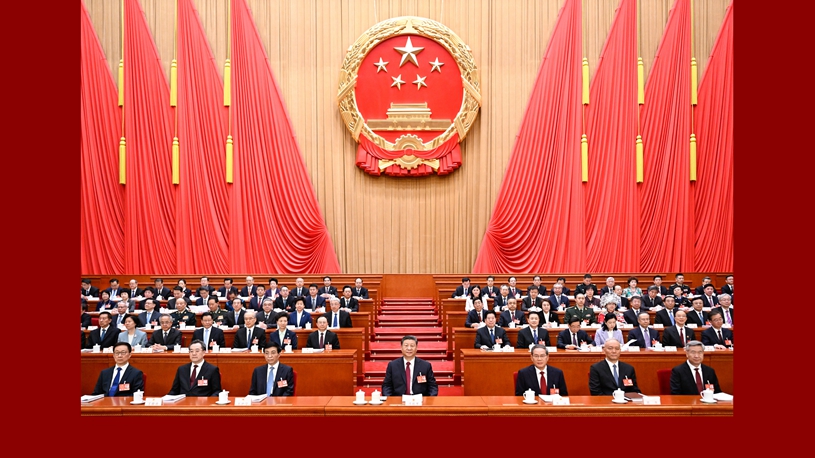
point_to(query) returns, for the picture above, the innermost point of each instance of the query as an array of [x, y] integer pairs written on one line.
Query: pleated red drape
[[666, 202], [101, 196], [277, 224], [537, 223], [612, 205], [202, 228], [150, 199], [714, 186]]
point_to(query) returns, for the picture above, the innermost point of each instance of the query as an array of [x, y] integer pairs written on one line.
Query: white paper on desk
[[92, 397], [723, 397], [412, 399], [86, 350], [173, 397], [239, 350], [256, 398]]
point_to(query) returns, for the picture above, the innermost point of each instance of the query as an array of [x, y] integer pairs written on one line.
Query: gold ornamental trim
[[409, 162], [409, 25]]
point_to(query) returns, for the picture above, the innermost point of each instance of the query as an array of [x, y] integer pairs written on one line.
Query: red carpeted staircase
[[396, 318]]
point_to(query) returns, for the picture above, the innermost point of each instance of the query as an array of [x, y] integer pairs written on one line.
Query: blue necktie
[[535, 337], [101, 336], [671, 314], [270, 382], [206, 337], [492, 336], [335, 320], [616, 376], [115, 386]]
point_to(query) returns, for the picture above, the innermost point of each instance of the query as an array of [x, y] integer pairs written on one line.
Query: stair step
[[408, 309], [397, 346], [386, 300], [374, 368], [396, 318]]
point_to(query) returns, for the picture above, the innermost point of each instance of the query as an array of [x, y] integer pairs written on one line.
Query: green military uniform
[[186, 316], [584, 314], [218, 316]]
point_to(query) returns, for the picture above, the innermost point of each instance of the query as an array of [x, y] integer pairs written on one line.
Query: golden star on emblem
[[436, 65], [381, 65], [397, 81], [419, 82], [408, 52]]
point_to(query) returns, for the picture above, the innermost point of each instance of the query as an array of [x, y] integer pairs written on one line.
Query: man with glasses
[[198, 377], [692, 377], [121, 379], [540, 377]]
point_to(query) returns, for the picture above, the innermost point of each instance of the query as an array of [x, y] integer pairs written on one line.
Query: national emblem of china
[[409, 93]]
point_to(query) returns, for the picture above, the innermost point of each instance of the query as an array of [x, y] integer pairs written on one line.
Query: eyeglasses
[[121, 353]]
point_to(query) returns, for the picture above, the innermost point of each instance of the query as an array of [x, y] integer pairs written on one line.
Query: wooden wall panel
[[414, 225]]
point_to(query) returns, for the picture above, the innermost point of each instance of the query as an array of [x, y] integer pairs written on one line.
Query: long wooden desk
[[359, 319], [308, 406], [318, 374], [464, 338], [490, 373]]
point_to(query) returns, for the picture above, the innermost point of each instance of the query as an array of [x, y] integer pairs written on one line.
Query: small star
[[397, 81], [419, 82], [381, 65], [436, 65], [408, 52]]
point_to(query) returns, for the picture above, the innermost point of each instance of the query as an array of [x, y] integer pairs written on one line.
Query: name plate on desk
[[307, 350], [596, 349], [670, 348], [145, 350], [508, 349], [224, 350], [633, 348], [563, 326], [595, 325], [628, 326], [710, 348], [552, 349], [152, 402], [183, 350], [560, 401], [659, 326], [412, 399], [243, 402], [691, 325], [107, 350], [650, 400]]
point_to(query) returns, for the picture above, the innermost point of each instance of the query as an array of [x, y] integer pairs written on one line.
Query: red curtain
[[612, 205], [150, 199], [537, 224], [714, 186], [666, 203], [101, 196], [202, 227], [277, 224]]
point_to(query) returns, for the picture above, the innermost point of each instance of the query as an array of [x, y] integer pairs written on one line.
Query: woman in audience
[[125, 296], [104, 302], [608, 331], [632, 289], [187, 292], [132, 335], [475, 292], [548, 318], [591, 300], [681, 301]]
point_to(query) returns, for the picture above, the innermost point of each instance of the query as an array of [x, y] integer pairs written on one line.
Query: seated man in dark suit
[[322, 337], [716, 335], [84, 318], [338, 318], [409, 374], [89, 290], [490, 335], [463, 290], [667, 316], [250, 289], [197, 378], [313, 301], [618, 291], [283, 336], [532, 334], [348, 302], [562, 282], [182, 314], [249, 334], [327, 290], [709, 296], [165, 338], [698, 316], [161, 291], [512, 315], [235, 317], [642, 335], [558, 299], [359, 292], [256, 301], [651, 299], [608, 375], [225, 290], [205, 284], [272, 378], [632, 314], [477, 315], [209, 334], [727, 288], [267, 317], [700, 290], [540, 377], [536, 283], [533, 300], [134, 290], [105, 335], [121, 379], [680, 282], [725, 308], [692, 377], [573, 337], [203, 296], [677, 335], [150, 314], [587, 285], [285, 301]]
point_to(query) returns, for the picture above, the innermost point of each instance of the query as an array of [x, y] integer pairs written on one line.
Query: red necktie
[[192, 376], [407, 378], [321, 341], [544, 386], [682, 335], [699, 386]]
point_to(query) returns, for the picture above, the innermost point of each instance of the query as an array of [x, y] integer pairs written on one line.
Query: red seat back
[[664, 378], [514, 380], [294, 382]]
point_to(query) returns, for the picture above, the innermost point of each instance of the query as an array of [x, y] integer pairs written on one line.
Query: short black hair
[[178, 288], [114, 280], [314, 285], [465, 279], [86, 280], [272, 344], [490, 276], [110, 315], [574, 319], [534, 288], [657, 276], [587, 276], [329, 278], [346, 287], [209, 314], [489, 312], [123, 344], [409, 337], [273, 280]]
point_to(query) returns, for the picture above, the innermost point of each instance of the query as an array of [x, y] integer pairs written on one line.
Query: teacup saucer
[[709, 402], [222, 403], [359, 403], [619, 402], [533, 401], [137, 403], [376, 403]]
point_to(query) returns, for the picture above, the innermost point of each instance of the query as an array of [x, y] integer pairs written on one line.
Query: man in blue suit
[[121, 379], [540, 377], [642, 335], [716, 335], [299, 317], [314, 301], [409, 374], [557, 298], [272, 378]]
